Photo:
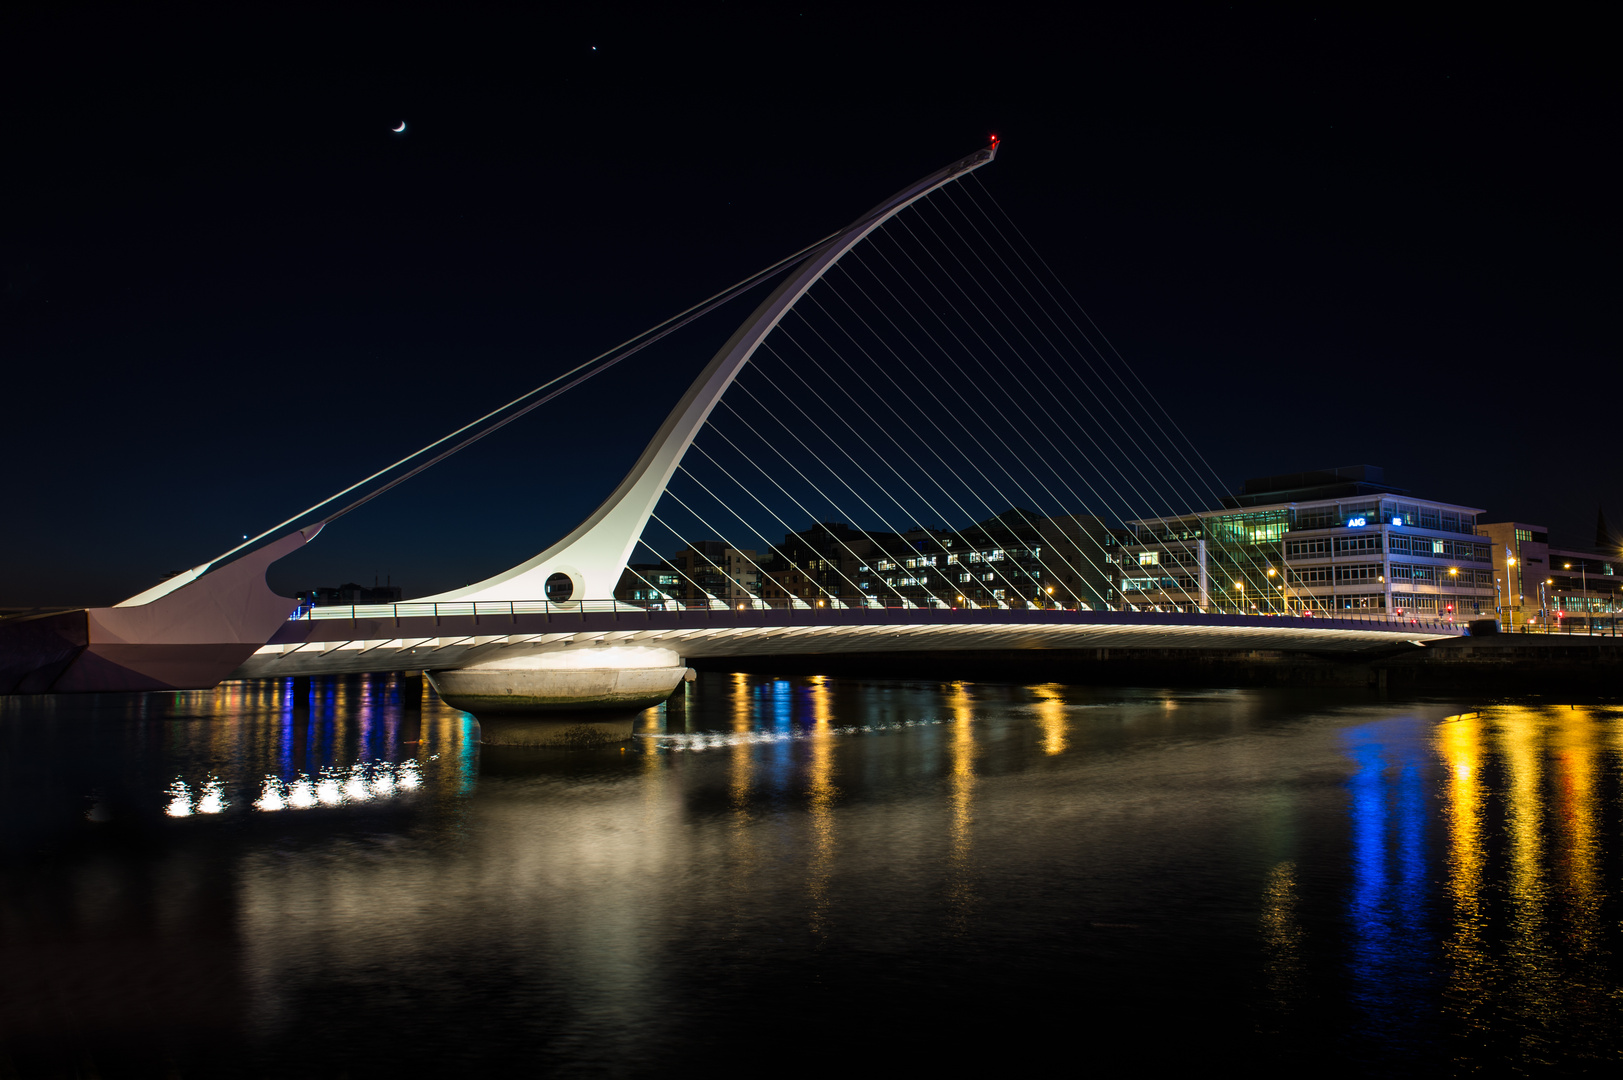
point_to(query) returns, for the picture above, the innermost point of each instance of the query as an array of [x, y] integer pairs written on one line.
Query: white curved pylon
[[595, 554]]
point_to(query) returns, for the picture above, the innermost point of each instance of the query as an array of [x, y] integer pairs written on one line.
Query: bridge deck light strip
[[372, 645]]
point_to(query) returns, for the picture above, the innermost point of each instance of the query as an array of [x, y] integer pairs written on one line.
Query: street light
[[1510, 560], [1583, 574], [1239, 608]]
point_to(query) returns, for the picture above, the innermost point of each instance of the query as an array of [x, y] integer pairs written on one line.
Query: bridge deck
[[353, 646]]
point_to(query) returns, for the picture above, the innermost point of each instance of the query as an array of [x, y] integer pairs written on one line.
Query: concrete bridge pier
[[409, 685], [574, 697], [676, 706]]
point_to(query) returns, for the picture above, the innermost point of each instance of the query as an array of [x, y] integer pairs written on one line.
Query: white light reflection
[[210, 798], [333, 787], [180, 800], [708, 740], [212, 801]]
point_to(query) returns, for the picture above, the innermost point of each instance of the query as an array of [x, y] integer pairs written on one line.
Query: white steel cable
[[1066, 290], [869, 416], [717, 532], [792, 433], [984, 320], [940, 430], [969, 431], [626, 348], [975, 358], [798, 504], [1217, 498]]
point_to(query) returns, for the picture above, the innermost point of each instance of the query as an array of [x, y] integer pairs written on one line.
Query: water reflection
[[1427, 889], [1529, 940], [1284, 942], [1391, 940]]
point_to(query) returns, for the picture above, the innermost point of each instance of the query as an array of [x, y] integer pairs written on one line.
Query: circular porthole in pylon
[[560, 588]]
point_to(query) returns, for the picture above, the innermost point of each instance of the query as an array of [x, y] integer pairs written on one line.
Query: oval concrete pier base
[[569, 698]]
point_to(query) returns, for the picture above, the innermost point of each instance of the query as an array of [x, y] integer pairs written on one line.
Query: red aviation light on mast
[[994, 140]]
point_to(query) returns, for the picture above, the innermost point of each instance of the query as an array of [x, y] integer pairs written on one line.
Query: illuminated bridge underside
[[343, 646]]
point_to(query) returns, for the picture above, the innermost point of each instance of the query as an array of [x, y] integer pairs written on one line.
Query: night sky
[[1321, 236]]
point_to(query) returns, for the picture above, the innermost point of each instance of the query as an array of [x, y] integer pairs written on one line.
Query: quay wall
[[1508, 663]]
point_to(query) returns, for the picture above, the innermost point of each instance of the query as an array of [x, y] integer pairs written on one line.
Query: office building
[[1336, 541]]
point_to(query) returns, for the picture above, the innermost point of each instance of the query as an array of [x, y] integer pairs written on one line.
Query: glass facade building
[[1359, 546]]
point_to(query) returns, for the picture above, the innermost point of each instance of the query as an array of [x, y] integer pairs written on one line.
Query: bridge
[[944, 440]]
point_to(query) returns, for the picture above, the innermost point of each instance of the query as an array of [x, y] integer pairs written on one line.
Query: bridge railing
[[511, 609]]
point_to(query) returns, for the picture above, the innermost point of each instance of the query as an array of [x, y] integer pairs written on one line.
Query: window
[[966, 576], [1316, 517], [1359, 572], [1359, 542], [1299, 549], [1149, 558]]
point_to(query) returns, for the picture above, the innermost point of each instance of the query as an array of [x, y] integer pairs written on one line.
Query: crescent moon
[[399, 129]]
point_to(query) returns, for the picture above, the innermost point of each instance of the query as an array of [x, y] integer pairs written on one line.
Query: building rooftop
[[1347, 481]]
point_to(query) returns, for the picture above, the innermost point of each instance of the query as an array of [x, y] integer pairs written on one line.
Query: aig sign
[[1353, 523]]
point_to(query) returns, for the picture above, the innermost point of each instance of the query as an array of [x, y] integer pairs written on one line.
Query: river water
[[811, 873]]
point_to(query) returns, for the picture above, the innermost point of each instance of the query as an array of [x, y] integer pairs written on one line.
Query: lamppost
[[1239, 587], [1454, 583], [1510, 560], [1275, 573], [1583, 575]]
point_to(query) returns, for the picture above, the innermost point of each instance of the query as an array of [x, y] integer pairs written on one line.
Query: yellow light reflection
[[822, 795], [1283, 937], [1460, 745], [1532, 967], [1051, 717], [960, 890], [1578, 852], [741, 767]]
